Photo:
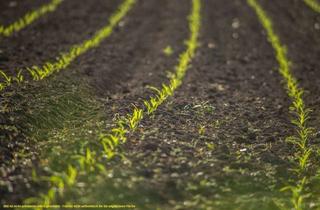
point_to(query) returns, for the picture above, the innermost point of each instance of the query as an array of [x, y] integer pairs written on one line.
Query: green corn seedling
[[168, 51], [7, 78], [135, 118]]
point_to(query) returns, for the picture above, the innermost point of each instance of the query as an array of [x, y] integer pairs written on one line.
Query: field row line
[[84, 164], [300, 113], [313, 4], [29, 18], [65, 59]]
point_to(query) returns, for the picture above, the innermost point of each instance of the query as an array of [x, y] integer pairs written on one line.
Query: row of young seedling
[[300, 114], [7, 31], [18, 25], [65, 178], [65, 59], [93, 160], [29, 18]]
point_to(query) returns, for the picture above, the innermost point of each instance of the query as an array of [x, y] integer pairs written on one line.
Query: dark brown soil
[[298, 26], [218, 143]]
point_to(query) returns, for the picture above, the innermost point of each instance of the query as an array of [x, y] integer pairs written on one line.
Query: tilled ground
[[218, 143]]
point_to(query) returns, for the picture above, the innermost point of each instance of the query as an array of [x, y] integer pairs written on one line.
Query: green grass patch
[[29, 18]]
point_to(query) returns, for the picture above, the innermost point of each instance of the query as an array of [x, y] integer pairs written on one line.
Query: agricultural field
[[160, 105]]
